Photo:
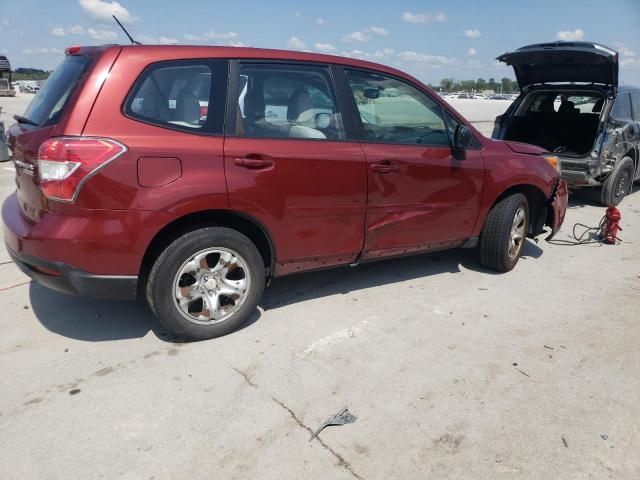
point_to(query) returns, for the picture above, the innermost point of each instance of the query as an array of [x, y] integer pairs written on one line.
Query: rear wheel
[[618, 184], [504, 233], [206, 283]]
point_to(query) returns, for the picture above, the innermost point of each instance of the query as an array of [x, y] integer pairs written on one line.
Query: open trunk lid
[[48, 115], [559, 62]]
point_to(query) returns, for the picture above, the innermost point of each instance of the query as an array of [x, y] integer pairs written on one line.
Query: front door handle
[[384, 166], [253, 162]]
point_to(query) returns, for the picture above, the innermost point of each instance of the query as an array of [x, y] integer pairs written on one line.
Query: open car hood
[[563, 62]]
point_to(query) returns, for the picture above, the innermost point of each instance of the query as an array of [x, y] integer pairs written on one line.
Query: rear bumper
[[96, 253], [67, 279], [578, 179], [558, 205], [580, 173]]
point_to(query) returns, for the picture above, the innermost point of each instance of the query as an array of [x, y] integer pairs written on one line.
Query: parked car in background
[[571, 105], [127, 186], [6, 86]]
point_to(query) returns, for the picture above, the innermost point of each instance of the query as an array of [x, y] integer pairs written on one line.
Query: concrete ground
[[452, 371]]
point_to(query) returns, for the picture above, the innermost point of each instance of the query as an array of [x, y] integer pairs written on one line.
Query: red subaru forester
[[193, 175]]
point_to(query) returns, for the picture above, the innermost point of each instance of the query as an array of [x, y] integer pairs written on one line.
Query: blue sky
[[429, 39]]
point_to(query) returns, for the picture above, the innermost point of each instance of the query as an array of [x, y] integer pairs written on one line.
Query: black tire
[[160, 291], [495, 239], [618, 184]]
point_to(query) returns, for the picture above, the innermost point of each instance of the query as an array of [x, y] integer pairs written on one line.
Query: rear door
[[563, 62], [289, 164], [420, 196], [635, 107]]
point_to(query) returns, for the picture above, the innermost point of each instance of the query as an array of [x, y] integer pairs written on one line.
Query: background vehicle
[[299, 161], [6, 87], [571, 105]]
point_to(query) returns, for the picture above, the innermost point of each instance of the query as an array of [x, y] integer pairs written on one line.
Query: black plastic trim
[[74, 281]]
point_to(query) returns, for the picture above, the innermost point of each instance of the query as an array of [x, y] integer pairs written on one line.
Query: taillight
[[66, 163], [204, 111]]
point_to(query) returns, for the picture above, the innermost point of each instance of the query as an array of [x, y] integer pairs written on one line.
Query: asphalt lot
[[423, 350]]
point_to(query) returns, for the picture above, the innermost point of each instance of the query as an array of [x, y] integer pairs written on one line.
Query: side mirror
[[462, 138], [371, 93], [322, 120]]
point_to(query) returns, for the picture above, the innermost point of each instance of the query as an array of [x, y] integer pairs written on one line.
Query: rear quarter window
[[52, 98], [187, 95], [622, 107], [635, 104]]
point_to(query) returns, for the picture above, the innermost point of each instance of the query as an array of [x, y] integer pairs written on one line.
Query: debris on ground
[[546, 346], [341, 418], [564, 440], [604, 436], [515, 364]]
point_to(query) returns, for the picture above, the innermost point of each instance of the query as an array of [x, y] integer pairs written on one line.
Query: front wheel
[[504, 233], [206, 283]]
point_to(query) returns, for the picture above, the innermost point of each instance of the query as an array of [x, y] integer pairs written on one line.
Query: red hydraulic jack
[[610, 226]]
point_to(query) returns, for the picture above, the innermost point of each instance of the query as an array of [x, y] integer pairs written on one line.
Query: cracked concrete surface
[[341, 461], [421, 349]]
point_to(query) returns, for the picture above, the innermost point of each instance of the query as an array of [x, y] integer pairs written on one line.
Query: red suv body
[[194, 174]]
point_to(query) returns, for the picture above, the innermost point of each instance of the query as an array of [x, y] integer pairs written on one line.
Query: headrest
[[300, 108]]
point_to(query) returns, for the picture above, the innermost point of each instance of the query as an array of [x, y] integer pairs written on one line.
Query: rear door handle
[[384, 166], [253, 162]]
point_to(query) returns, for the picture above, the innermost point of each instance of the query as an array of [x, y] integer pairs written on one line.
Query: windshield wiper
[[25, 120]]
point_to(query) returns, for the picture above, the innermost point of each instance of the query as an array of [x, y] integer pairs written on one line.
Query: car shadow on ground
[[305, 286], [96, 320], [590, 197], [103, 320]]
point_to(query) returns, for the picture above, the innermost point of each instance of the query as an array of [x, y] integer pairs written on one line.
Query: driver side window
[[393, 111]]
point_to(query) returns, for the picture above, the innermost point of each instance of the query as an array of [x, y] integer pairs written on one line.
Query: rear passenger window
[[287, 101], [635, 101], [181, 95], [622, 107], [393, 111]]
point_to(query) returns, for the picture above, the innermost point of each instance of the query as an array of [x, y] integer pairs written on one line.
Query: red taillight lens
[[204, 111], [66, 163]]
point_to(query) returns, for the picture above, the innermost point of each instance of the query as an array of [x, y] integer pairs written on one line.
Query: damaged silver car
[[571, 104]]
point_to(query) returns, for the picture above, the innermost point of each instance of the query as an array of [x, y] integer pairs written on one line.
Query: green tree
[[468, 85], [447, 84], [481, 84], [506, 85]]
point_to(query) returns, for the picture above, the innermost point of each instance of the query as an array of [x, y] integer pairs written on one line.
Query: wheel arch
[[537, 201], [633, 154], [245, 224]]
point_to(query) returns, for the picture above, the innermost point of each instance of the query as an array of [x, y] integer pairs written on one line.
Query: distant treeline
[[505, 85], [30, 74]]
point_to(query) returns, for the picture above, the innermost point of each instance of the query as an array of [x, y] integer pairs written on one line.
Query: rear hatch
[[40, 121], [562, 62]]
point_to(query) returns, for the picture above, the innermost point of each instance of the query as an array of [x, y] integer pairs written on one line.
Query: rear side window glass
[[622, 107], [287, 101], [48, 104], [393, 111], [635, 101], [181, 95]]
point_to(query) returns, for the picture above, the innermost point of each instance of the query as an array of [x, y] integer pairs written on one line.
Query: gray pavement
[[421, 350]]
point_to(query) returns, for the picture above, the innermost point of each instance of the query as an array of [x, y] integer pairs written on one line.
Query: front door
[[420, 196], [288, 165]]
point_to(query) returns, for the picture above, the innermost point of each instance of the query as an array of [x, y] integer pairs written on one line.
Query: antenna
[[125, 31]]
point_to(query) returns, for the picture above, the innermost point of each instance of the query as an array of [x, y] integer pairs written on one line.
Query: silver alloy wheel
[[517, 235], [211, 285]]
